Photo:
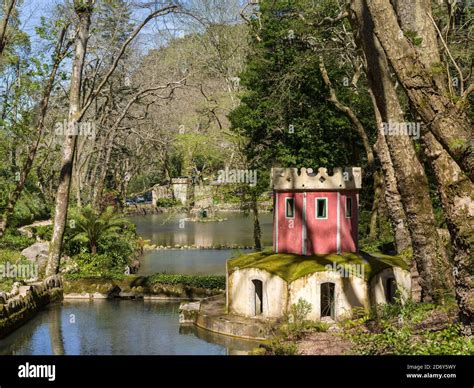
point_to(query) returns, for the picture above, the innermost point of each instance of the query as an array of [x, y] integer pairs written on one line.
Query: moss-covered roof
[[290, 266]]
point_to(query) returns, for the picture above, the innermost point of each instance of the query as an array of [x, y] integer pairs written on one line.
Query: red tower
[[315, 213]]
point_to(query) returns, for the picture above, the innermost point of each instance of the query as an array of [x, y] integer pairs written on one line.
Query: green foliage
[[297, 324], [284, 115], [298, 313], [403, 329], [167, 202], [12, 257], [44, 232], [279, 347], [12, 239], [403, 341], [199, 281], [100, 266], [88, 226]]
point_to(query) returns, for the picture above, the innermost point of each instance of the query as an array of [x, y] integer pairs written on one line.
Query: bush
[[44, 232], [296, 318], [283, 348], [108, 234], [91, 266], [12, 257], [204, 281], [12, 239], [167, 202]]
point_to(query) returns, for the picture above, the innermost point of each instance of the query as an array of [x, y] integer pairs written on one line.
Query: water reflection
[[116, 327], [163, 229], [190, 262]]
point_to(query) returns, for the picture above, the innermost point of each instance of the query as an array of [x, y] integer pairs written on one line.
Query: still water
[[170, 230], [116, 327], [124, 327], [188, 262]]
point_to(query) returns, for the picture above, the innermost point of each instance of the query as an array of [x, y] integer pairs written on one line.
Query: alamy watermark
[[347, 270], [24, 271], [393, 128], [237, 176], [86, 128]]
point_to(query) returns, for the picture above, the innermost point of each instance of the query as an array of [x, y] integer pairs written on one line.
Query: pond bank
[[210, 314], [134, 287], [20, 305]]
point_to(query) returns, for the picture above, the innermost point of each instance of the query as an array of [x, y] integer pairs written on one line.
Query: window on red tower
[[348, 207], [321, 208], [290, 208]]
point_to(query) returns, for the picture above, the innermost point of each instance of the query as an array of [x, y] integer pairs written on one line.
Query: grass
[[291, 266]]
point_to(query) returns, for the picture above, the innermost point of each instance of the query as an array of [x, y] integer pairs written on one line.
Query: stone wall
[[379, 282], [203, 196], [24, 301], [160, 192], [180, 189], [241, 293], [349, 292]]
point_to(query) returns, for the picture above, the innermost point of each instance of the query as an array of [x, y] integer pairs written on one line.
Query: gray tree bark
[[428, 251], [83, 9]]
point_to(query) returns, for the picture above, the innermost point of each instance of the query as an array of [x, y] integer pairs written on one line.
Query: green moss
[[291, 266]]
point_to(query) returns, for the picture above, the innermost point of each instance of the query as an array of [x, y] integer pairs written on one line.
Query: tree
[[78, 106], [428, 251], [8, 8], [91, 226], [454, 186], [61, 50], [83, 10]]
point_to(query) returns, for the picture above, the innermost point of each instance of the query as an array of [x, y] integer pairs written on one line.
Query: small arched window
[[328, 297], [390, 289], [257, 296]]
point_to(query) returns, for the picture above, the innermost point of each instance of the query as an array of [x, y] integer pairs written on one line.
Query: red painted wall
[[321, 234], [349, 226], [290, 230]]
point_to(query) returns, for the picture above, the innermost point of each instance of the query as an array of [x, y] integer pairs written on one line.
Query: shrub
[[167, 202], [44, 232], [91, 266], [199, 281], [12, 239], [297, 318], [89, 226], [282, 348]]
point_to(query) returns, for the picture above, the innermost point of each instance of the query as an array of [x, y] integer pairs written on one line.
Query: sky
[[153, 35]]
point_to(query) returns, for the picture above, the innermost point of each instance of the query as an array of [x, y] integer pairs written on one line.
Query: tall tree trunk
[[449, 124], [257, 232], [28, 164], [393, 200], [392, 197], [103, 168], [454, 187], [428, 251], [7, 11], [378, 189], [83, 9]]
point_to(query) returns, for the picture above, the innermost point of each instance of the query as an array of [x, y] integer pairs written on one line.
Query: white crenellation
[[349, 178]]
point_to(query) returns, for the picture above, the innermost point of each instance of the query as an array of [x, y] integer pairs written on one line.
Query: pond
[[171, 230], [116, 327], [164, 229]]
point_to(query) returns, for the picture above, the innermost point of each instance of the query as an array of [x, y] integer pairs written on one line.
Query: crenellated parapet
[[349, 178]]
